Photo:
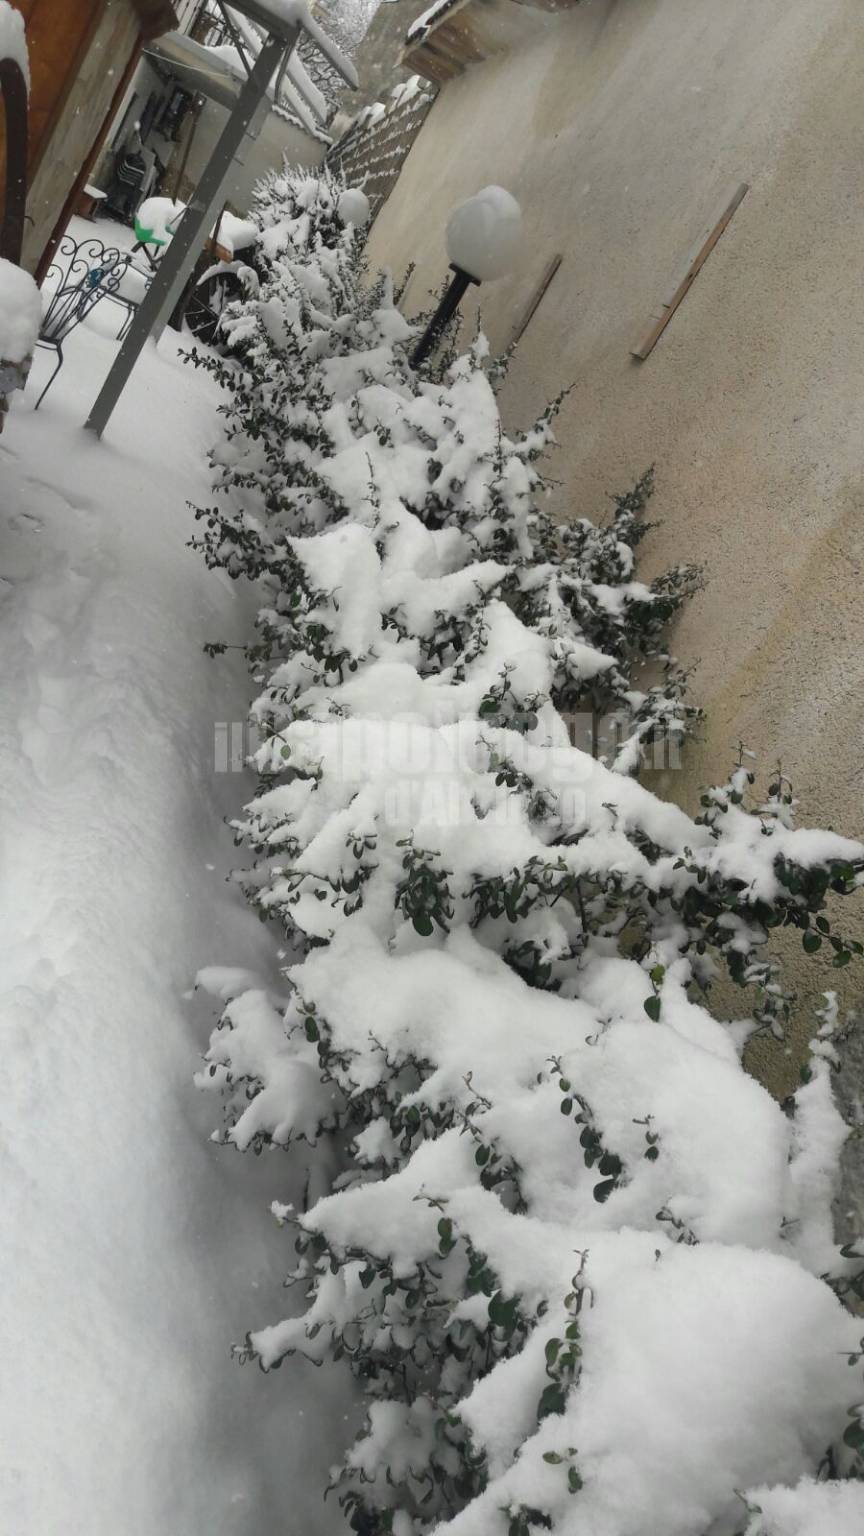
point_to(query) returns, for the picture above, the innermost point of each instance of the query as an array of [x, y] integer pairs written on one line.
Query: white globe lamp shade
[[484, 233], [353, 207]]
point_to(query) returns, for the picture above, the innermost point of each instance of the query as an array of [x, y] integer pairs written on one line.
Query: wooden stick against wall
[[195, 115], [536, 300], [695, 267]]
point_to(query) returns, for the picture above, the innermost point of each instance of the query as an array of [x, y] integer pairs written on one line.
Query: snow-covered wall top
[[450, 35], [428, 18]]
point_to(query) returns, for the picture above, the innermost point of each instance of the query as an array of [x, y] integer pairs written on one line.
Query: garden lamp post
[[483, 236]]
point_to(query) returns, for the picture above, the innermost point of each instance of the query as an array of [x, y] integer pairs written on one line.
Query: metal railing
[[210, 26]]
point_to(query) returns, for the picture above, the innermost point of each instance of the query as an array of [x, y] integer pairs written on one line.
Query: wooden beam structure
[[467, 32], [157, 17]]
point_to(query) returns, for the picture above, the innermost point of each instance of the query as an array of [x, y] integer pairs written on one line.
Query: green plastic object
[[148, 236], [157, 219]]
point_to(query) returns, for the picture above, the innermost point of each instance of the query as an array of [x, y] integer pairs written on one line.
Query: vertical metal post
[[173, 270], [459, 285]]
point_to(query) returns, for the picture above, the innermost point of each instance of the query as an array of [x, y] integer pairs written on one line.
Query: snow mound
[[809, 1509], [157, 219], [20, 313]]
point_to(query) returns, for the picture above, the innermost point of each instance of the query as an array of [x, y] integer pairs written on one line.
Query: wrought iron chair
[[85, 274], [125, 300]]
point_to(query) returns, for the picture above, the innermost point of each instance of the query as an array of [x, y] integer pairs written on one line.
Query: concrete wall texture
[[623, 126]]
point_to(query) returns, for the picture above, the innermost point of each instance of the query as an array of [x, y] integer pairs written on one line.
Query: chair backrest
[[89, 272], [131, 170]]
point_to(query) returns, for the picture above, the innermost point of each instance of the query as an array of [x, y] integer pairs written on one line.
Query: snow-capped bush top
[[20, 313], [293, 208]]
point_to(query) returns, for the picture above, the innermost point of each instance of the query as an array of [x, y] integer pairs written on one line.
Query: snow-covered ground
[[128, 1241]]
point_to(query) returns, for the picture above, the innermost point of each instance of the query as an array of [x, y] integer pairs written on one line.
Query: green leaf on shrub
[[552, 1400], [502, 1314], [604, 1190], [652, 1008]]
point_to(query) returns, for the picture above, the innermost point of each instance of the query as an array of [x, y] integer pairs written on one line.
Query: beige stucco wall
[[276, 139], [83, 116], [622, 127]]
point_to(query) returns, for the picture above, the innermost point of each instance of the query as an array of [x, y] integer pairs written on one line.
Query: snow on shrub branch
[[581, 1264]]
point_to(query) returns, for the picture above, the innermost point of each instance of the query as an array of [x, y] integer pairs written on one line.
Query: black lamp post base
[[459, 286]]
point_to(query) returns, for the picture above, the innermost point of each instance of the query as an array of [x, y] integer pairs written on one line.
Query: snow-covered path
[[129, 1245]]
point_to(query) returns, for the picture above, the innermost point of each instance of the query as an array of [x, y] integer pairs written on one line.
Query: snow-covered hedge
[[297, 214], [581, 1264]]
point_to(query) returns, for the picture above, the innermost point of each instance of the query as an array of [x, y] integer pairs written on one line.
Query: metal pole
[[442, 316], [173, 270]]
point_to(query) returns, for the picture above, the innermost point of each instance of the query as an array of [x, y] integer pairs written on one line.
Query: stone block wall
[[373, 149]]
